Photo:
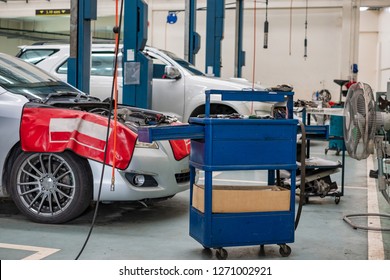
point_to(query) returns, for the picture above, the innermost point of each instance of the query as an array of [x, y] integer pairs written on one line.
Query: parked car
[[178, 87], [52, 146]]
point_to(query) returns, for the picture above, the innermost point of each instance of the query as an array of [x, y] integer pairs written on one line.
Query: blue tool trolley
[[219, 144]]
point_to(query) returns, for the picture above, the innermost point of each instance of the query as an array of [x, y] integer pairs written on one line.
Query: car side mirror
[[171, 72]]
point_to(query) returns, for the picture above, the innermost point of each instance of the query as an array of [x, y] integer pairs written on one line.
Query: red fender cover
[[48, 129], [180, 148]]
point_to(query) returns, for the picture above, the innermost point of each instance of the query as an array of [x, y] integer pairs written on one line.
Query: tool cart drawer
[[245, 142]]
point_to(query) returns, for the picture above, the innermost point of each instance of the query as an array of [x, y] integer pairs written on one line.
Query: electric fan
[[365, 128]]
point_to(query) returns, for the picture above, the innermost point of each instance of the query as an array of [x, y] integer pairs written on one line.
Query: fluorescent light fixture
[[362, 9]]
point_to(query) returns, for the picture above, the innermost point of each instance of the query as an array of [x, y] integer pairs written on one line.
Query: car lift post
[[214, 35], [79, 62], [239, 59], [137, 68], [192, 38]]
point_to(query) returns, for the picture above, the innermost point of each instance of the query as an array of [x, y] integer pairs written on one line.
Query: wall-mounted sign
[[52, 12]]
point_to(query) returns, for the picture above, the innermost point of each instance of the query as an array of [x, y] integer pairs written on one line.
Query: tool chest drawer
[[249, 142]]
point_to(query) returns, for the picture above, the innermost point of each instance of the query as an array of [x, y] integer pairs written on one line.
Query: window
[[23, 78], [158, 68], [35, 56], [102, 64], [185, 64]]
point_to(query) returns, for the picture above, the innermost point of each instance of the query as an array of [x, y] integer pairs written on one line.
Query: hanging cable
[[305, 41], [254, 50], [117, 30], [254, 46], [115, 95], [265, 46]]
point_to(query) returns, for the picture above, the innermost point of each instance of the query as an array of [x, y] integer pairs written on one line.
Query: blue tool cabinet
[[219, 144], [243, 144]]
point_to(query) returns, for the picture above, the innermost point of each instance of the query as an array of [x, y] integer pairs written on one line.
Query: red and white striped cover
[[48, 129]]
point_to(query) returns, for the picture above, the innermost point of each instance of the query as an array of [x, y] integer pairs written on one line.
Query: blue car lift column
[[239, 59], [79, 62], [214, 36], [137, 68], [192, 38]]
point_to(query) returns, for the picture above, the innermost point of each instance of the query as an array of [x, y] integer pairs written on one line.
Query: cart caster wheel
[[221, 254], [338, 152], [262, 251], [284, 250], [337, 199], [207, 252], [326, 151]]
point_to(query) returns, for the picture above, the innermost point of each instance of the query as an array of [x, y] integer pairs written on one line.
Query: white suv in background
[[178, 87]]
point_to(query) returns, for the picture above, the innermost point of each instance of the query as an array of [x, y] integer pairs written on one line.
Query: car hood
[[224, 84]]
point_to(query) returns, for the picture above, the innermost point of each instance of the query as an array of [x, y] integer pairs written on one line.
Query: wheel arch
[[15, 151]]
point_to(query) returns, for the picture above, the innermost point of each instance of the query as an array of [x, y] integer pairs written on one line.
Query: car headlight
[[140, 144]]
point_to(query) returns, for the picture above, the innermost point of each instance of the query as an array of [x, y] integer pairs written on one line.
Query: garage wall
[[368, 48], [326, 44], [275, 65]]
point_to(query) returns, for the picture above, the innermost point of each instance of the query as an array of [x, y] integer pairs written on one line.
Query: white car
[[52, 146], [178, 87]]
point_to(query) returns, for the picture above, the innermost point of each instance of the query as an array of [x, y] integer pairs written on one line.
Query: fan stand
[[365, 91], [379, 146]]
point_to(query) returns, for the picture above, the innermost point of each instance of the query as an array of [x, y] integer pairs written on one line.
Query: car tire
[[51, 188]]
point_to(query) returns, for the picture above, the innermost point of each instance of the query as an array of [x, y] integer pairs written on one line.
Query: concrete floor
[[130, 231]]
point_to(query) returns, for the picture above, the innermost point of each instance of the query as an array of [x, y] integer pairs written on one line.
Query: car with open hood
[[60, 149]]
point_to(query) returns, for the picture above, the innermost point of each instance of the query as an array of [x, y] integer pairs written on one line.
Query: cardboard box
[[237, 199]]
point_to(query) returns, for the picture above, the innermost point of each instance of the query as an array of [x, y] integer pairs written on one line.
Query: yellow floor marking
[[40, 252]]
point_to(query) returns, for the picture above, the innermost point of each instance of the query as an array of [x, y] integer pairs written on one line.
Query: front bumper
[[170, 176]]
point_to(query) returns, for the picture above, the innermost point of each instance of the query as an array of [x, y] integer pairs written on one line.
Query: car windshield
[[20, 77], [34, 56], [185, 64]]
